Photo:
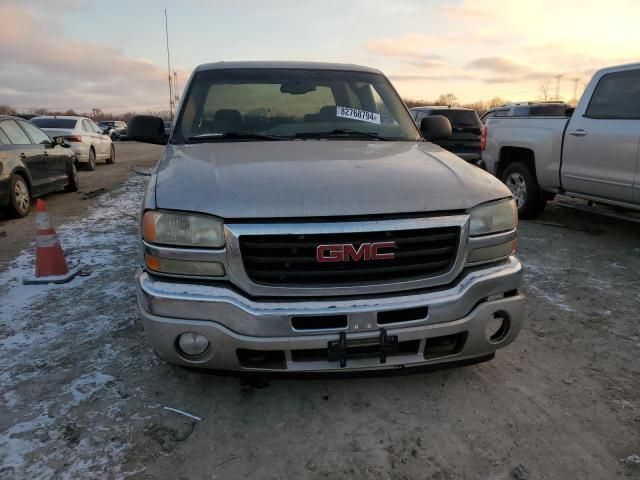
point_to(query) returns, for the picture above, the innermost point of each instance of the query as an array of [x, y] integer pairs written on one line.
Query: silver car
[[82, 135]]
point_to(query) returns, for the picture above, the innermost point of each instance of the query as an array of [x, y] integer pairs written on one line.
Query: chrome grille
[[291, 259]]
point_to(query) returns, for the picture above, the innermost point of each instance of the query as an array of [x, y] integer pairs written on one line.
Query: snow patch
[[42, 326]]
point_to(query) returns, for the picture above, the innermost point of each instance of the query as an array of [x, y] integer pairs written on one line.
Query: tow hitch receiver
[[342, 349]]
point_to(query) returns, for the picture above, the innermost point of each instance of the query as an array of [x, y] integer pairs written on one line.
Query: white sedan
[[82, 135]]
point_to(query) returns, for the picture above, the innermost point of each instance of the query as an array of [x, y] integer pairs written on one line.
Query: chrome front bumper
[[233, 322]]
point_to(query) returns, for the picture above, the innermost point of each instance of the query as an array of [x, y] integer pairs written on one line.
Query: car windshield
[[460, 117], [107, 124], [54, 122], [260, 104]]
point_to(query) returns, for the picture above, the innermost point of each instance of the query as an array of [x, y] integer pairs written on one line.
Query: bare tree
[[545, 89], [96, 113], [40, 111], [7, 110], [447, 99], [416, 102], [496, 102]]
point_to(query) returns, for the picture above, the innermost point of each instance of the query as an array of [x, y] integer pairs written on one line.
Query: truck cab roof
[[347, 67]]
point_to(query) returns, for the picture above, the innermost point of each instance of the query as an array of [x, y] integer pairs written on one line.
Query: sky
[[111, 54]]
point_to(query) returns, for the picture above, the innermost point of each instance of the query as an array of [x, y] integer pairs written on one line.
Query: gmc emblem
[[347, 252]]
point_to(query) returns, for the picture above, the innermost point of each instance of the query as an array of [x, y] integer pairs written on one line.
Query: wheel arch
[[510, 155], [24, 173]]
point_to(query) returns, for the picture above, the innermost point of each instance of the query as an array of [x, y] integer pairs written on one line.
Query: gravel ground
[[83, 396]]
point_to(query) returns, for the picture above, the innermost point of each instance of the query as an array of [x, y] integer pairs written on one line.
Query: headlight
[[182, 229], [494, 217]]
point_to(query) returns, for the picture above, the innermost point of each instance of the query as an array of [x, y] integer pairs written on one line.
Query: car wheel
[[73, 184], [525, 190], [91, 164], [113, 136], [19, 197], [112, 155]]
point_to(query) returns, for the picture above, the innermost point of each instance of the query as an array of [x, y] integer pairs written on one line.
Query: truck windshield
[[278, 103]]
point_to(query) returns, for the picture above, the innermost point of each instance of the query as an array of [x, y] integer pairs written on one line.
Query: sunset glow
[[112, 55]]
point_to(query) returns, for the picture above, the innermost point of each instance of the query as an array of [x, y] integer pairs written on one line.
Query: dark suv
[[466, 130], [116, 129]]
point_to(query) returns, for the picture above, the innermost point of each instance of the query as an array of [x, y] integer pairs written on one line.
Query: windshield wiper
[[341, 131], [214, 137]]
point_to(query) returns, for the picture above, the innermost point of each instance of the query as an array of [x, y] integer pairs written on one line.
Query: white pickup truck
[[591, 153]]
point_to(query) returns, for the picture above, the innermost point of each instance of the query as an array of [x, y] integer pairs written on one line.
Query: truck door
[[600, 154]]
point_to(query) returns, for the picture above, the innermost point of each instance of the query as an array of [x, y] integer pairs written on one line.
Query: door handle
[[46, 154], [578, 133]]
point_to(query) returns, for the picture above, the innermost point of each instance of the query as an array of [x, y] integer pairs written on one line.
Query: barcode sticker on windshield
[[355, 114]]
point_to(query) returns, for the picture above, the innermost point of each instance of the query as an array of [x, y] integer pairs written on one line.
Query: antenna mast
[[171, 95]]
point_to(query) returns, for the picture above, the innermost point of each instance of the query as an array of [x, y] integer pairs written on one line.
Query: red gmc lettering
[[329, 253], [376, 255], [348, 252]]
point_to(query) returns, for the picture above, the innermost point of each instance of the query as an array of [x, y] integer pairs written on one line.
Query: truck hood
[[318, 178]]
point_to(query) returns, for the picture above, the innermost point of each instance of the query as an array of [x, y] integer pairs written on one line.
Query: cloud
[[440, 78], [498, 65], [412, 47], [55, 71], [527, 45]]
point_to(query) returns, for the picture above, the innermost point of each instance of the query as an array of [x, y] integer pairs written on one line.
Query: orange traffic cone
[[51, 266]]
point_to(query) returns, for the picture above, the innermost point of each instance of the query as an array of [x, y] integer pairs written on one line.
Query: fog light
[[497, 327], [192, 343]]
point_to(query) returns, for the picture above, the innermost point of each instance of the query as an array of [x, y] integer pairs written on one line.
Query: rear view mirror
[[297, 87], [435, 127], [147, 129]]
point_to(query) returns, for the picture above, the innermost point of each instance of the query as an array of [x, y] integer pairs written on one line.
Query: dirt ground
[[83, 396]]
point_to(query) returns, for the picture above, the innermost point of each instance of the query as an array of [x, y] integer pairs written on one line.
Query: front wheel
[[19, 197], [112, 155], [525, 190]]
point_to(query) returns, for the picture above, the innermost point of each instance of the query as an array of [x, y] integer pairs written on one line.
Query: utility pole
[[575, 81], [558, 78], [176, 92], [171, 95]]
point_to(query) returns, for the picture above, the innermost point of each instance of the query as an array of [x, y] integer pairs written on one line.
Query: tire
[[113, 136], [73, 184], [525, 190], [112, 155], [19, 197], [91, 164]]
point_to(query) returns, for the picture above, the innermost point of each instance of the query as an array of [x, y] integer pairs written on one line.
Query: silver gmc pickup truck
[[299, 221], [591, 153]]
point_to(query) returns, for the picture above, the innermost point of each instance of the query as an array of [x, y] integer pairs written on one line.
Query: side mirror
[[147, 129], [59, 141], [435, 127]]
